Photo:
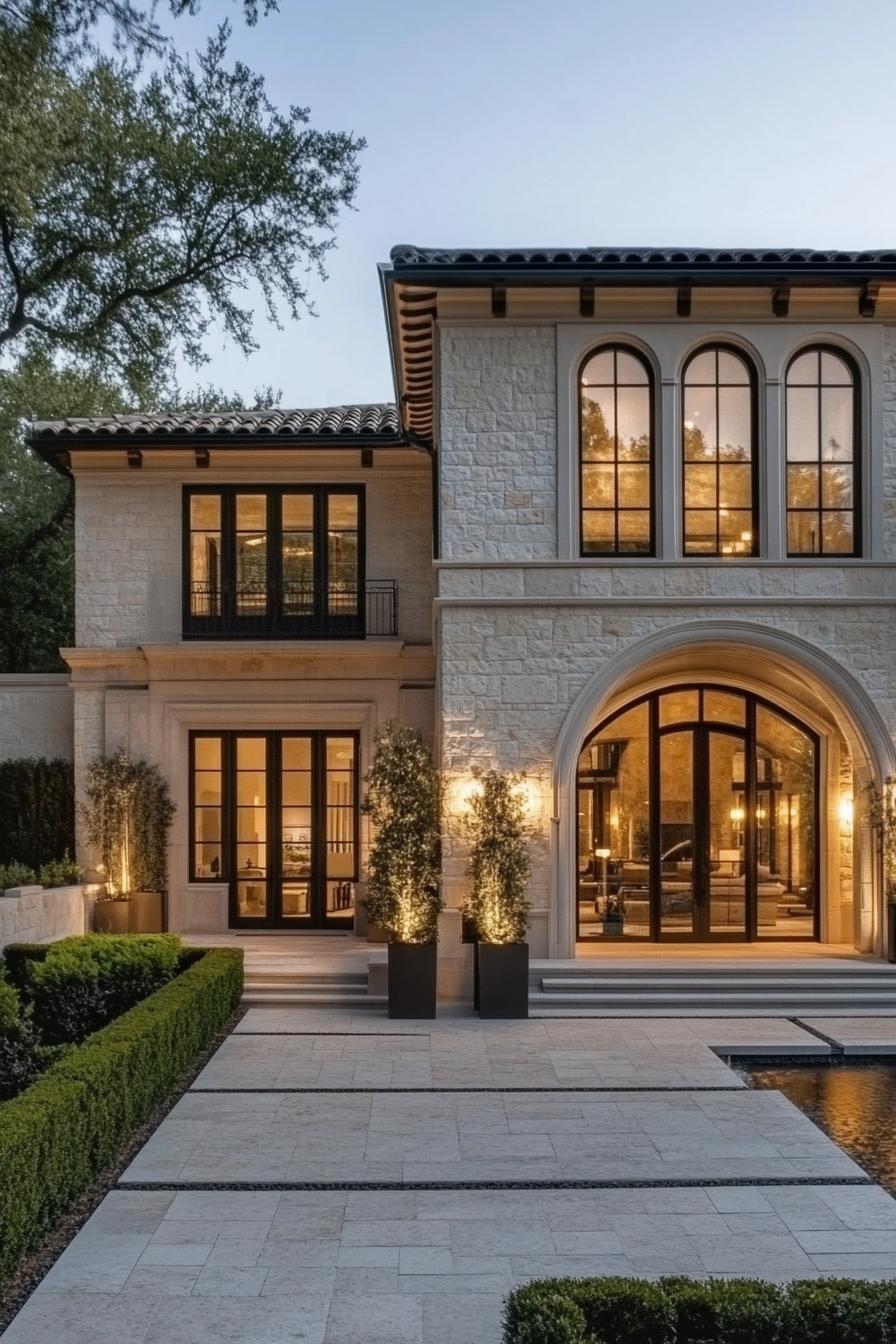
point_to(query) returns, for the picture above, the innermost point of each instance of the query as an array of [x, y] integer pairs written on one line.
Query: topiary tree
[[498, 866], [126, 818], [404, 804]]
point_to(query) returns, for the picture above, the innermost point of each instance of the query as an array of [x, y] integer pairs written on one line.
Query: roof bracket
[[203, 457], [683, 301], [868, 298], [586, 300], [781, 300], [366, 457], [499, 301], [135, 457]]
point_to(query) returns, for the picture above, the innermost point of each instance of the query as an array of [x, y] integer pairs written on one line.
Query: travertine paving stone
[[858, 1035], [486, 1136], [516, 1055], [418, 1267]]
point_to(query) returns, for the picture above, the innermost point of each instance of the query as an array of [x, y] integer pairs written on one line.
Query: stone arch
[[798, 674]]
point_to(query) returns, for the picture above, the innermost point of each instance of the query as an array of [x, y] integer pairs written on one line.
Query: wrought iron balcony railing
[[292, 611]]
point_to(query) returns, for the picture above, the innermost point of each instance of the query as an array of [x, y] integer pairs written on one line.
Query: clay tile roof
[[408, 257], [373, 421]]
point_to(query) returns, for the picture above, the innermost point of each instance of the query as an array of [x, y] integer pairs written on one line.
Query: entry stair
[[272, 980], [814, 986]]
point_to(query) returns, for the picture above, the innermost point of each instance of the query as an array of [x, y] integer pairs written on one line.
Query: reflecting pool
[[854, 1103]]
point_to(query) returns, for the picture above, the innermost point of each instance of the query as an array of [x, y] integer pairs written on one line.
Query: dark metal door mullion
[[318, 830], [274, 831], [700, 805]]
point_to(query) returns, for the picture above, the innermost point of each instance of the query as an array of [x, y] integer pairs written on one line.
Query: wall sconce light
[[846, 809]]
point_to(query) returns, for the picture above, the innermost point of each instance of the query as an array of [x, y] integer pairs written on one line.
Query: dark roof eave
[[522, 274], [54, 447]]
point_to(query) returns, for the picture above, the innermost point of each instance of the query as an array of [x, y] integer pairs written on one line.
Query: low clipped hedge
[[64, 1129], [693, 1311]]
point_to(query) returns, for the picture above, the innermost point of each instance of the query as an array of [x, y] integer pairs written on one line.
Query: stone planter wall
[[43, 914]]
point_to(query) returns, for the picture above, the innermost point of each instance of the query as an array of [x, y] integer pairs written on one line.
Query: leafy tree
[[498, 865], [404, 803], [135, 209], [133, 25]]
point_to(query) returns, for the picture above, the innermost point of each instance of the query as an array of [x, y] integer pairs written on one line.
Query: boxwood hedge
[[60, 1132], [693, 1311]]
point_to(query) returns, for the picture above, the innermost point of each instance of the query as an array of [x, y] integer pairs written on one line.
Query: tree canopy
[[145, 197]]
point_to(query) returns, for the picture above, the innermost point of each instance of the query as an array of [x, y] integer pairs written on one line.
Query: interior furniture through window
[[698, 819], [275, 816]]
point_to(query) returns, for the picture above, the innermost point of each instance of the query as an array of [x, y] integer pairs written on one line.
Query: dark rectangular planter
[[503, 979], [412, 979], [891, 932]]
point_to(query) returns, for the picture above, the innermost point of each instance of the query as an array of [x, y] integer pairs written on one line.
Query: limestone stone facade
[[511, 645]]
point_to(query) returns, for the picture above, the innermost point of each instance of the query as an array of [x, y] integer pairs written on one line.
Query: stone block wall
[[36, 716], [498, 478], [128, 552], [41, 915]]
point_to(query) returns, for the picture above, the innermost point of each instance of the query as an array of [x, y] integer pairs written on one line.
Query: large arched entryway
[[698, 820]]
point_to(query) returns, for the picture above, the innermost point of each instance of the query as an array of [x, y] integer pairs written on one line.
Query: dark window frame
[[718, 347], [825, 348], [272, 623], [748, 733], [617, 554], [273, 770]]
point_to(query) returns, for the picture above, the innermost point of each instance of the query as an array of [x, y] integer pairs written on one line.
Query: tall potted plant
[[882, 817], [126, 817], [497, 900], [404, 805]]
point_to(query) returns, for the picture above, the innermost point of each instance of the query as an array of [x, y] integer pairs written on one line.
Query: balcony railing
[[294, 611]]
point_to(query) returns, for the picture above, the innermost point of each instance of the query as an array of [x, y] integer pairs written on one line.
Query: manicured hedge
[[60, 1132], [693, 1311], [37, 810]]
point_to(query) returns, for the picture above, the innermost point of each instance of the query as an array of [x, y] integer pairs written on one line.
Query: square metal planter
[[502, 979], [412, 979]]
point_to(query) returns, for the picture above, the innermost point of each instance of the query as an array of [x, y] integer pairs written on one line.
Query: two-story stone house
[[630, 532]]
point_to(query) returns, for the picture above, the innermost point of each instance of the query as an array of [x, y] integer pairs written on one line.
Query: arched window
[[719, 446], [822, 439], [616, 453]]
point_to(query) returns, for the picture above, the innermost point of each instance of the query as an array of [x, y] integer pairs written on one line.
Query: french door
[[276, 816], [698, 818], [705, 877]]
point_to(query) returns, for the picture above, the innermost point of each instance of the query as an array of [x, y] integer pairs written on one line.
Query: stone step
[[786, 1003], [253, 997], [727, 984], [261, 975]]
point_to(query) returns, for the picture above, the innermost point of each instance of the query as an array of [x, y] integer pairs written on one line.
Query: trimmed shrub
[[17, 957], [62, 872], [21, 1056], [85, 982], [693, 1311], [37, 810], [60, 1132], [16, 874]]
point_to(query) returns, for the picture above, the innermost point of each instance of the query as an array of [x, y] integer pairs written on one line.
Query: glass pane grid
[[616, 454], [717, 444], [820, 419]]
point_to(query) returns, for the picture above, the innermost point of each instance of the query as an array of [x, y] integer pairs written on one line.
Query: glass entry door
[[703, 834], [698, 818], [276, 816]]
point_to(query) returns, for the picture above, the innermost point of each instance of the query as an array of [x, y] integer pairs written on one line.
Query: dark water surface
[[854, 1103]]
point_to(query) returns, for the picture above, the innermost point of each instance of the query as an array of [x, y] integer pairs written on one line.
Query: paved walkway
[[618, 1147]]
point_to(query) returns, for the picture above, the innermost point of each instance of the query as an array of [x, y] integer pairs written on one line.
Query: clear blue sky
[[568, 122]]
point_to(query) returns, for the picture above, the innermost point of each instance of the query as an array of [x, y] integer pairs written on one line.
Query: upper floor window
[[616, 453], [719, 444], [822, 435], [282, 560]]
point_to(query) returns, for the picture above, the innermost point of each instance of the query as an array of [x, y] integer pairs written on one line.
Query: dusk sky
[[567, 123]]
